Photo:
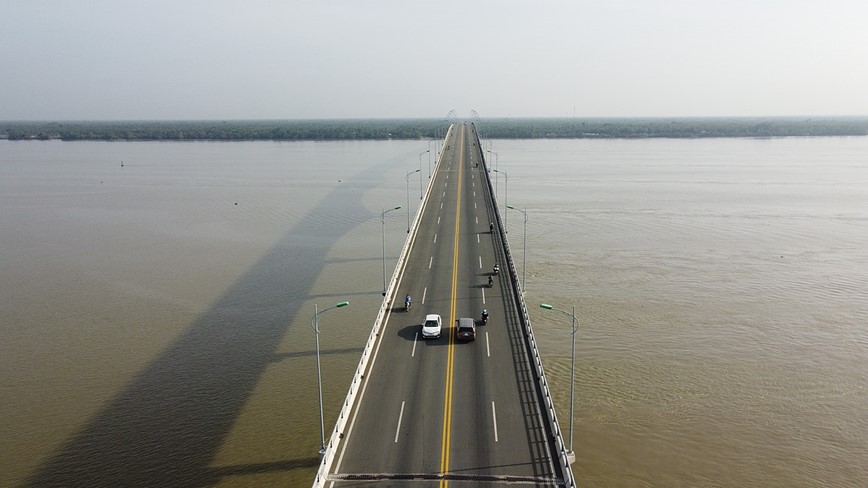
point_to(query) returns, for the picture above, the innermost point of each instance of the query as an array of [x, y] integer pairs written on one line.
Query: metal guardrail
[[337, 434], [551, 414]]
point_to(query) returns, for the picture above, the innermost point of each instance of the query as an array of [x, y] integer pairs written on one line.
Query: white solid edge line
[[401, 416], [355, 413]]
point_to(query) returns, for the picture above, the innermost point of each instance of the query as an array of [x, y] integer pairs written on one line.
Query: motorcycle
[[496, 270], [484, 317], [490, 282]]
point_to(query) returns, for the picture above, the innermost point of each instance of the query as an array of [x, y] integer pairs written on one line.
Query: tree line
[[358, 129], [222, 130], [635, 128]]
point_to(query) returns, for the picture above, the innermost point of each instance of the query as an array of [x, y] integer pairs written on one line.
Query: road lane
[[431, 409]]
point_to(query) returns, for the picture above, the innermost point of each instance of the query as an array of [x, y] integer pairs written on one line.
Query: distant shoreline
[[385, 129]]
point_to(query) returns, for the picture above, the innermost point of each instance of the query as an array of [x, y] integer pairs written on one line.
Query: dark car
[[466, 329]]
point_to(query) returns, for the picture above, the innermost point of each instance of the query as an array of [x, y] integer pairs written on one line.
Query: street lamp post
[[314, 323], [408, 198], [438, 143], [420, 172], [572, 368], [496, 165], [383, 220], [524, 250], [505, 199], [496, 158], [429, 156]]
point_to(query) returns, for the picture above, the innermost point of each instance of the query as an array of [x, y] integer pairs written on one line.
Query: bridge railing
[[542, 382], [357, 382]]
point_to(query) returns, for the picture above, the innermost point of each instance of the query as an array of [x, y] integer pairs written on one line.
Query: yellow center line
[[450, 355]]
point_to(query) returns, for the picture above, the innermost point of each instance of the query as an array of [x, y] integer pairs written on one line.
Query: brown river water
[[155, 318]]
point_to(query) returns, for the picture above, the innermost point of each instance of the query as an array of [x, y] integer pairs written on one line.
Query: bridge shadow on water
[[166, 426]]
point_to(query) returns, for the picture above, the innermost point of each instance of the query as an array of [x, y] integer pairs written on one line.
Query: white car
[[431, 327]]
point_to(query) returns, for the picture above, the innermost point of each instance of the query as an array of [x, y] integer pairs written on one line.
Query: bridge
[[441, 410]]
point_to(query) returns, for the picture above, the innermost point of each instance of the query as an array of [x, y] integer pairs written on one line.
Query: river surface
[[155, 317]]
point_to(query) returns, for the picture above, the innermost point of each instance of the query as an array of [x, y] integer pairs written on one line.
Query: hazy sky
[[285, 59]]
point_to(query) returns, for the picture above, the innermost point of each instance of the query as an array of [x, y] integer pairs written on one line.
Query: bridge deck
[[440, 410]]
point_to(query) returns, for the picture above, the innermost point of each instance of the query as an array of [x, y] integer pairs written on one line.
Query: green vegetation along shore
[[357, 129]]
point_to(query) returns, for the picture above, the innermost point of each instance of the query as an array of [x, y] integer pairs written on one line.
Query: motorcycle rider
[[490, 282], [484, 316], [496, 269], [407, 302]]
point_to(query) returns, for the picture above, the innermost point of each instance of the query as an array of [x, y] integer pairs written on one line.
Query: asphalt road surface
[[443, 411]]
